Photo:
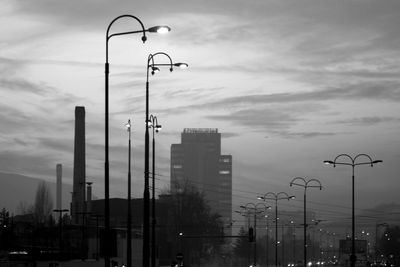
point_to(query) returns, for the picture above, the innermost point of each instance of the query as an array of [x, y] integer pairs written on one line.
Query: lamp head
[[329, 162], [154, 70], [158, 128], [149, 123], [128, 125], [181, 65], [376, 161], [160, 29], [144, 38]]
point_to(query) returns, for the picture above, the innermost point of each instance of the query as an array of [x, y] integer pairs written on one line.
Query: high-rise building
[[197, 161]]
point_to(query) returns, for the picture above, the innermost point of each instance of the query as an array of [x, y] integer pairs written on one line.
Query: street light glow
[[181, 65], [128, 125], [160, 29]]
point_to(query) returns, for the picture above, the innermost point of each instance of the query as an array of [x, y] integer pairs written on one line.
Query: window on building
[[224, 172]]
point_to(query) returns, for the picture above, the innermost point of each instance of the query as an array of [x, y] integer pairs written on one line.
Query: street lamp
[[254, 207], [153, 123], [266, 245], [353, 163], [60, 211], [300, 181], [159, 29], [276, 197], [129, 219], [146, 193]]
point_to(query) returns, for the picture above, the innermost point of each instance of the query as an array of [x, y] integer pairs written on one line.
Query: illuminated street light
[[254, 208], [353, 163], [146, 194], [129, 219], [300, 181], [276, 197], [143, 31], [153, 123]]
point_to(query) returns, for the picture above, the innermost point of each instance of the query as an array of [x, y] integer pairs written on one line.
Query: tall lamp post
[[146, 193], [153, 123], [129, 219], [60, 240], [266, 245], [159, 29], [311, 183], [255, 209], [276, 197], [353, 163]]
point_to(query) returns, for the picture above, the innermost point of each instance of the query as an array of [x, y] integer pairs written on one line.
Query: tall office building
[[197, 161]]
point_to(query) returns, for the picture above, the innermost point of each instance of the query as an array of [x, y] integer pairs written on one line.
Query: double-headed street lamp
[[159, 29], [153, 123], [254, 208], [129, 219], [276, 197], [311, 183], [353, 162], [146, 193]]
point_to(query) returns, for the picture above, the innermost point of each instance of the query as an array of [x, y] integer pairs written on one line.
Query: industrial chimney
[[59, 187], [78, 195]]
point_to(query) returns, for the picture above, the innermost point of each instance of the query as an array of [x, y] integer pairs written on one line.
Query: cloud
[[368, 121], [304, 134], [258, 119], [229, 135]]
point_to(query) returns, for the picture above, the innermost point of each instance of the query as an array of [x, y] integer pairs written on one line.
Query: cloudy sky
[[287, 83]]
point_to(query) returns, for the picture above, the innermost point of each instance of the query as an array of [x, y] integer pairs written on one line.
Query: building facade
[[197, 161]]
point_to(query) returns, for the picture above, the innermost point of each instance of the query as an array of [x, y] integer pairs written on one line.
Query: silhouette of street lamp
[[300, 181], [146, 193], [129, 219], [60, 240], [353, 164], [276, 197], [255, 209], [158, 29], [153, 123], [266, 245]]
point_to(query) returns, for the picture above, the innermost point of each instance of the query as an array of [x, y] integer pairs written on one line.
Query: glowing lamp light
[[160, 29], [181, 65]]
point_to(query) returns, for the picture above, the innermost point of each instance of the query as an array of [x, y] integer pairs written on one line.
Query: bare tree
[[43, 206]]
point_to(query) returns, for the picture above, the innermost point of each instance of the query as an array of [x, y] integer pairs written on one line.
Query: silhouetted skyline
[[288, 83]]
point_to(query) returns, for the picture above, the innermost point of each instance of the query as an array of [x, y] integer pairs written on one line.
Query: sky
[[289, 84]]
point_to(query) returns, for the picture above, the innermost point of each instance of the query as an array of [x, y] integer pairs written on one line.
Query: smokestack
[[59, 187], [78, 196]]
